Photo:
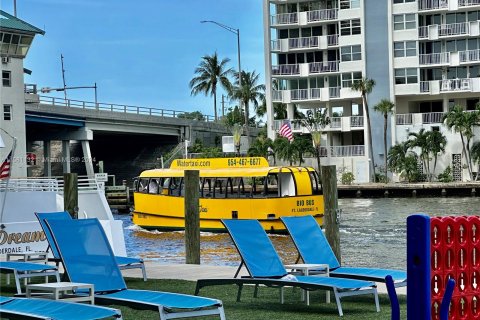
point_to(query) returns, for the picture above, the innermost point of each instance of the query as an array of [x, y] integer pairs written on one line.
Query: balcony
[[321, 67], [468, 3], [286, 70], [435, 31], [304, 43], [343, 124], [284, 19], [424, 5], [455, 85], [469, 56], [347, 151], [442, 58], [322, 15]]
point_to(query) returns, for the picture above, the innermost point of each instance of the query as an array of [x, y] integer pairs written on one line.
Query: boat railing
[[54, 184]]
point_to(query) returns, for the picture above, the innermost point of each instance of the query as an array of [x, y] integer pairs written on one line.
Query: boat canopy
[[224, 173]]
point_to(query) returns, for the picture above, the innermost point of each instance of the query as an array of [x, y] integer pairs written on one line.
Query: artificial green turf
[[266, 306]]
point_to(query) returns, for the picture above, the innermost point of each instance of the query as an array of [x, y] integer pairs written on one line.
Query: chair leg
[[221, 313], [17, 282], [239, 293], [144, 272], [339, 304], [255, 291], [377, 304]]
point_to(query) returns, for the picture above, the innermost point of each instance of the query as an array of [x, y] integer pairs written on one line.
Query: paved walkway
[[156, 270]]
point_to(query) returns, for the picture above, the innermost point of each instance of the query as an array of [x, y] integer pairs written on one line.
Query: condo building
[[424, 56]]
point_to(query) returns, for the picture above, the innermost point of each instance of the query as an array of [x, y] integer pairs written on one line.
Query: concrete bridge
[[104, 128]]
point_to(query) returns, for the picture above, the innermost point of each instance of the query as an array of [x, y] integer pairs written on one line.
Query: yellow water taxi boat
[[230, 188]]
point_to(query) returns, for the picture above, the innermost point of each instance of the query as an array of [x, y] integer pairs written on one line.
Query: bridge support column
[[66, 156], [87, 157], [47, 155]]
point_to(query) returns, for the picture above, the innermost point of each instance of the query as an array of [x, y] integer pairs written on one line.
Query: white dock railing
[[54, 184]]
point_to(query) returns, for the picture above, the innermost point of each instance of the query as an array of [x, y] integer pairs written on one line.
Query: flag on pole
[[5, 167], [286, 130]]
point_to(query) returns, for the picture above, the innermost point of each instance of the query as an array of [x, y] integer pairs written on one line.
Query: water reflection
[[372, 234]]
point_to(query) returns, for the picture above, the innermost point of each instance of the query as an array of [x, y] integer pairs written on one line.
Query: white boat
[[20, 230]]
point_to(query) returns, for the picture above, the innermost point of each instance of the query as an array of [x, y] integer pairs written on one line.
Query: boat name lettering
[[301, 203], [17, 237], [238, 162], [14, 250], [300, 210], [193, 163]]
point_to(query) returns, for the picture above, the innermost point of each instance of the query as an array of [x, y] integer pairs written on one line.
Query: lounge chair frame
[[370, 288], [27, 270], [124, 263], [340, 271], [114, 295]]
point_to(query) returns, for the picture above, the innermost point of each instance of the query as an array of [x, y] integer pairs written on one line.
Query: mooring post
[[192, 218], [331, 218], [70, 194]]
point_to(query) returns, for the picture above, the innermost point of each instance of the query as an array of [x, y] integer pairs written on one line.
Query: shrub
[[347, 178], [446, 175]]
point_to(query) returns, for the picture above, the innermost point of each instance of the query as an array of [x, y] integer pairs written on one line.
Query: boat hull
[[167, 213]]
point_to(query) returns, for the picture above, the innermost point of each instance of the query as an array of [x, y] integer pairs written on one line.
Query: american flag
[[286, 131], [5, 168]]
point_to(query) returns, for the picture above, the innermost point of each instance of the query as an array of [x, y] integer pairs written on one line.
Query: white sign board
[[101, 177]]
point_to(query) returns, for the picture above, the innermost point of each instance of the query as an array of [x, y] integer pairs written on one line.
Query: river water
[[372, 234]]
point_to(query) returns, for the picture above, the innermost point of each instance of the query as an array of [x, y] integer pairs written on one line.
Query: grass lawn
[[266, 306]]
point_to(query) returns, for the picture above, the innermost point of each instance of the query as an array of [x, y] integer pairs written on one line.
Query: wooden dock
[[425, 189]]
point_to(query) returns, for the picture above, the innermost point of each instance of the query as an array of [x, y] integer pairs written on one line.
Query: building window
[[349, 4], [350, 27], [6, 78], [351, 53], [349, 78], [7, 112], [404, 21], [406, 76], [402, 1], [405, 49]]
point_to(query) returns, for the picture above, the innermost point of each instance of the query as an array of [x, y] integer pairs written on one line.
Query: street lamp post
[[47, 90], [237, 33]]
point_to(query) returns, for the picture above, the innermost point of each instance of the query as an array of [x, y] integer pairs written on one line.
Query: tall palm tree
[[209, 73], [249, 92], [285, 150], [437, 142], [385, 107], [365, 86]]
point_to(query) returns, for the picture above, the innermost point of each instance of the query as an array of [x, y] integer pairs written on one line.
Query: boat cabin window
[[143, 185], [315, 179], [287, 184], [155, 186]]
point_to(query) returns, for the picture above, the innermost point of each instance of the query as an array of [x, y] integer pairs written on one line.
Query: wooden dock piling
[[331, 218], [70, 194], [192, 218]]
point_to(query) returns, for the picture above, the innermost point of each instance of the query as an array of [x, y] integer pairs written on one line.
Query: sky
[[140, 53]]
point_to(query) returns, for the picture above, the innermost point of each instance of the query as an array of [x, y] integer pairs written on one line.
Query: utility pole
[[63, 77]]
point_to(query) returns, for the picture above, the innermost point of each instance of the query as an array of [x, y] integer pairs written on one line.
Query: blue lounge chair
[[123, 262], [21, 308], [265, 267], [88, 258], [25, 270], [314, 248]]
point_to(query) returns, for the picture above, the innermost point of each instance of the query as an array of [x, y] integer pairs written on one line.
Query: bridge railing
[[111, 107]]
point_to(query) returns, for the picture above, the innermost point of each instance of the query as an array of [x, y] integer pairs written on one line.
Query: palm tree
[[304, 145], [437, 142], [285, 150], [315, 122], [403, 161], [365, 86], [249, 92], [463, 122], [260, 146], [420, 140], [475, 153], [209, 73], [385, 107]]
